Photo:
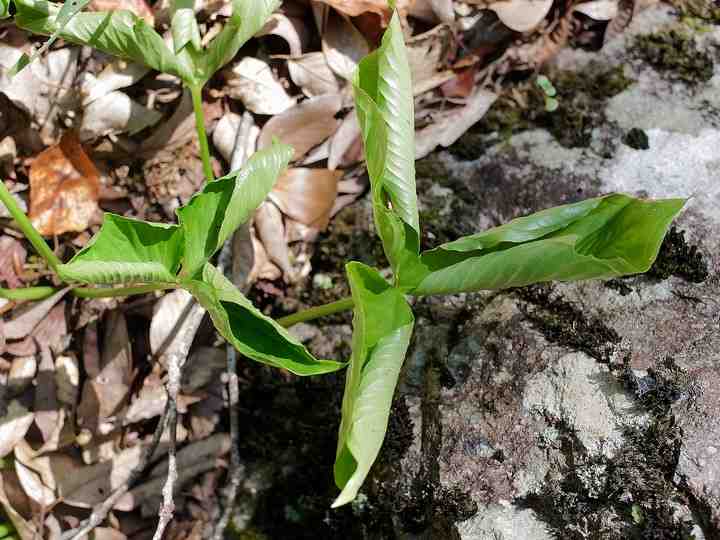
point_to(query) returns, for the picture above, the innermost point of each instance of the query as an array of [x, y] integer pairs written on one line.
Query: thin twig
[[100, 512], [237, 471], [167, 509]]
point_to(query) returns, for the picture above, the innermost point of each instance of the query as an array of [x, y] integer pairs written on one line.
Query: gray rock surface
[[586, 410]]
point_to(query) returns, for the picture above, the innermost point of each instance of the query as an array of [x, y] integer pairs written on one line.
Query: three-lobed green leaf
[[251, 332], [604, 237], [382, 327]]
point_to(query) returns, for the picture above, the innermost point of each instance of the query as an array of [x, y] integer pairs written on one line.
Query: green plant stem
[[107, 292], [27, 293], [40, 293], [196, 92], [27, 228], [316, 312]]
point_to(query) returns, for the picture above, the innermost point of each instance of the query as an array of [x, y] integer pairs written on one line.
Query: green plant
[[549, 93], [597, 238]]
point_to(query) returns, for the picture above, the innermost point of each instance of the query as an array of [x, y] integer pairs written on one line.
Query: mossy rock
[[676, 54]]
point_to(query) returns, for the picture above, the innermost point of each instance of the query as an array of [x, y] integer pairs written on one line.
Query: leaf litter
[[76, 418]]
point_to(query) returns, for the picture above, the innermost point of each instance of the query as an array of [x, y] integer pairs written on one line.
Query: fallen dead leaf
[[307, 195], [49, 416], [173, 315], [313, 75], [104, 396], [52, 331], [235, 137], [346, 137], [13, 426], [138, 7], [271, 232], [600, 10], [67, 380], [115, 113], [33, 485], [447, 127], [64, 188], [428, 54], [291, 29], [252, 81], [343, 45], [305, 125], [22, 373], [462, 85], [12, 259], [116, 75], [354, 8], [25, 528], [243, 257], [30, 315], [433, 10], [522, 15]]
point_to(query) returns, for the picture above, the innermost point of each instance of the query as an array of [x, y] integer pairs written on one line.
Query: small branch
[[317, 312], [100, 512], [236, 470], [30, 232], [196, 93], [167, 508]]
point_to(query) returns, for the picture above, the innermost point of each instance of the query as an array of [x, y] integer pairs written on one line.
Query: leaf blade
[[212, 215], [119, 33], [382, 327], [605, 237], [251, 332], [127, 251]]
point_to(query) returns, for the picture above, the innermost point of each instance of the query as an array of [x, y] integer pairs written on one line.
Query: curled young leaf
[[384, 104], [212, 215], [127, 251], [382, 327], [253, 334], [604, 237]]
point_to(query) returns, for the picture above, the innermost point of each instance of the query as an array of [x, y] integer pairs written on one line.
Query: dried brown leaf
[[64, 188], [235, 137], [313, 75], [428, 54], [291, 29], [30, 316], [521, 15], [354, 8], [307, 195], [253, 82], [271, 232], [12, 259], [22, 373], [26, 529], [346, 138], [49, 416], [343, 45], [303, 126], [13, 426], [600, 10]]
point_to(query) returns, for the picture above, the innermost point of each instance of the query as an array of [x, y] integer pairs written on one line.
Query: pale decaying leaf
[[346, 144], [52, 331], [177, 131], [433, 10], [116, 75], [67, 380], [30, 316], [44, 89], [13, 426], [292, 30], [49, 416], [22, 373], [343, 45], [235, 137], [521, 15], [243, 257], [600, 10], [307, 195], [33, 485], [303, 126], [26, 529], [138, 7], [105, 395], [252, 81], [115, 113], [64, 188], [313, 75], [173, 317], [447, 127], [354, 8], [192, 460], [427, 54], [12, 259], [271, 232]]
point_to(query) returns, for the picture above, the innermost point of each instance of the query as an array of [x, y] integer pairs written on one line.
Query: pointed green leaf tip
[[382, 327], [384, 103], [212, 215], [250, 331], [605, 237]]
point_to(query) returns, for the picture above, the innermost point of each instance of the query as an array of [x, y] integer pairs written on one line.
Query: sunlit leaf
[[384, 103], [247, 19], [185, 29], [382, 327], [253, 334], [212, 215], [598, 238], [119, 33], [4, 9], [127, 251]]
